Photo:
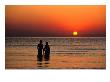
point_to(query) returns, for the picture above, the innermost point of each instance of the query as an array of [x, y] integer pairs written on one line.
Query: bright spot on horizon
[[75, 33]]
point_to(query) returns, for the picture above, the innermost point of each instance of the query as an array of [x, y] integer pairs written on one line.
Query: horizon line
[[56, 37]]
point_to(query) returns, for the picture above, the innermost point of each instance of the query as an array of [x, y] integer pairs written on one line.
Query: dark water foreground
[[66, 53]]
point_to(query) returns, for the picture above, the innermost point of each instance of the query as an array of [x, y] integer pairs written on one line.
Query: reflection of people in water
[[46, 51], [40, 49]]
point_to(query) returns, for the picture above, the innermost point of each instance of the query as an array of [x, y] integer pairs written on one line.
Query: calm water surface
[[66, 53]]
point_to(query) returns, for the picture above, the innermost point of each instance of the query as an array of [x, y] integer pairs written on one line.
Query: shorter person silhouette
[[46, 52]]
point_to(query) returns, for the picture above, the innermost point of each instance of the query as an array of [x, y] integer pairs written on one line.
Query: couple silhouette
[[43, 52]]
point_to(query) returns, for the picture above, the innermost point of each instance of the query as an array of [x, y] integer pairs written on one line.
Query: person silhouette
[[46, 51], [40, 49]]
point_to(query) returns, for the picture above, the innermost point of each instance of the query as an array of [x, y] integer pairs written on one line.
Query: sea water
[[65, 53]]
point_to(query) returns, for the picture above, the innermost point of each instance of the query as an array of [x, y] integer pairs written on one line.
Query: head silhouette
[[40, 41], [46, 43]]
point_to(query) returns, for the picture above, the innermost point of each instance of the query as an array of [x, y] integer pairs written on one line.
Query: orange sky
[[88, 20]]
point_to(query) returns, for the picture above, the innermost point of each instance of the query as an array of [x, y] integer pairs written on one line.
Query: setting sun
[[75, 33]]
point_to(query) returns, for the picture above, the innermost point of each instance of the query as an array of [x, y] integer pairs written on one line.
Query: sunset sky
[[55, 21]]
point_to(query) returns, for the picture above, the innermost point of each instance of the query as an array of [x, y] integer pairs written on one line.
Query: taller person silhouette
[[40, 49]]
